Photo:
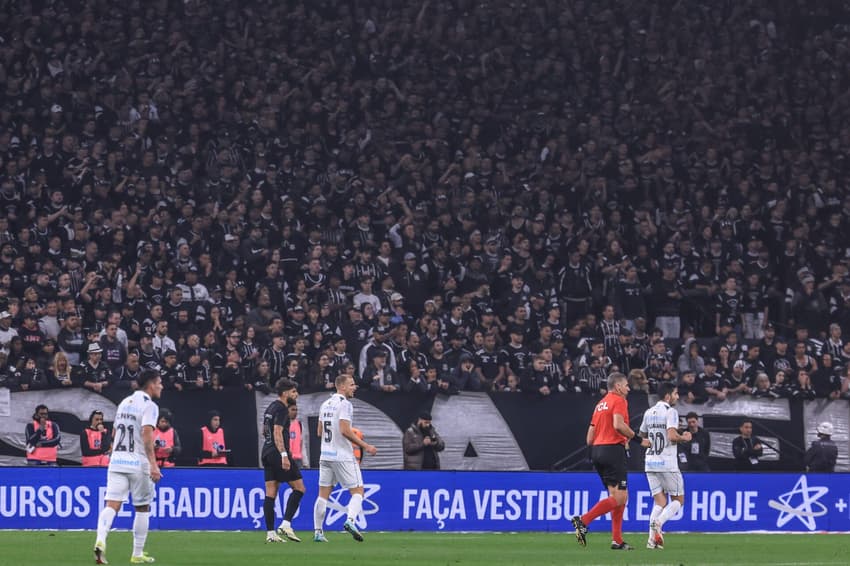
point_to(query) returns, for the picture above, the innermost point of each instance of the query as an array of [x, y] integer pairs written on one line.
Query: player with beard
[[660, 425], [278, 466]]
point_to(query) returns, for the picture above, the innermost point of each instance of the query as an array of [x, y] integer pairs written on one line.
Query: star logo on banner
[[336, 510], [806, 510]]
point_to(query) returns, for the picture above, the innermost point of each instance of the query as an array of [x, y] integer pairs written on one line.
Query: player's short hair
[[666, 388], [146, 376], [284, 384], [615, 378], [341, 379]]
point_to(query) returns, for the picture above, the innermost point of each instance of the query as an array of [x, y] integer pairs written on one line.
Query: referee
[[608, 435]]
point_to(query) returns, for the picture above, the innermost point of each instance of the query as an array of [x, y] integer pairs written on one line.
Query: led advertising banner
[[232, 499]]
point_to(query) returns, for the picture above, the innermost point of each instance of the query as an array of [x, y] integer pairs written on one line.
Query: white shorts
[[347, 474], [670, 483], [121, 484]]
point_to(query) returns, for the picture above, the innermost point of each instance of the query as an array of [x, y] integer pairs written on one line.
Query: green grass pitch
[[37, 548]]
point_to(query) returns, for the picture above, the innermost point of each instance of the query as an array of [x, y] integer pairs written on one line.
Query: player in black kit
[[278, 467]]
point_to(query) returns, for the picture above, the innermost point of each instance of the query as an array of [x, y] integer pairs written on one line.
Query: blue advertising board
[[232, 499]]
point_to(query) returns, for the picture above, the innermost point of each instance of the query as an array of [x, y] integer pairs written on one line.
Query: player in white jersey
[[133, 469], [661, 427], [337, 463]]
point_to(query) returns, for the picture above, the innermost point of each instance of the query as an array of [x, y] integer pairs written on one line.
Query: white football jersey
[[335, 447], [661, 455], [128, 450]]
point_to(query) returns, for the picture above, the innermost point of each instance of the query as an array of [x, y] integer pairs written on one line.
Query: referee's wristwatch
[[284, 455]]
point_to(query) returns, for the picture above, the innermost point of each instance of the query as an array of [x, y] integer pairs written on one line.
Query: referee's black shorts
[[609, 461], [273, 469]]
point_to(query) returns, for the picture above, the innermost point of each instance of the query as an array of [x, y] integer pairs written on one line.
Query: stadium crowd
[[433, 196]]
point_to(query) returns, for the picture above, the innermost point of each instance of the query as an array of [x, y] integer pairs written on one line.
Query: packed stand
[[435, 197]]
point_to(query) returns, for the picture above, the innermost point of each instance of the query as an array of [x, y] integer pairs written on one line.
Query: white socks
[[354, 506], [140, 531], [104, 523], [319, 513], [653, 517], [669, 511], [285, 524]]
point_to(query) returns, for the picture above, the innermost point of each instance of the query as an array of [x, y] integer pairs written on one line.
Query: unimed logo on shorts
[[337, 511]]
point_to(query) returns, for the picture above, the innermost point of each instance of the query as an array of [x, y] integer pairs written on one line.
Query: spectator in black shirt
[[747, 449], [31, 336], [693, 455], [94, 374], [125, 376]]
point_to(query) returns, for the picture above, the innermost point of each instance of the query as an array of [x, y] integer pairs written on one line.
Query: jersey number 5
[[326, 426]]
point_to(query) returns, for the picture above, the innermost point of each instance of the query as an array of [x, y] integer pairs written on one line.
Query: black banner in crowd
[[482, 431]]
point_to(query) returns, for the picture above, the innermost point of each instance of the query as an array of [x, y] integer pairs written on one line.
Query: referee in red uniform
[[608, 435]]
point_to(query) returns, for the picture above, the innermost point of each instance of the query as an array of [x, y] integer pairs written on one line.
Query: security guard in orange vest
[[358, 452], [95, 442], [213, 449], [167, 445], [296, 437], [43, 439]]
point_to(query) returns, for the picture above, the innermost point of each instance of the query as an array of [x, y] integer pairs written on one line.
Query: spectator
[[114, 351], [6, 331], [466, 376], [213, 448], [167, 445], [125, 377], [60, 372], [690, 391], [826, 380], [416, 380], [694, 454], [43, 439], [761, 386], [261, 381], [422, 445], [31, 377], [690, 359], [747, 449], [823, 453], [379, 376], [535, 380], [94, 374], [803, 389], [95, 442]]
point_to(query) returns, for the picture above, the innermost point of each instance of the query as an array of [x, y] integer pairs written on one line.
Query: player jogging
[[132, 469], [661, 427], [278, 466], [337, 463], [608, 435]]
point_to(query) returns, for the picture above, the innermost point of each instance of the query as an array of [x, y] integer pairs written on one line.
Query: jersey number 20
[[658, 442]]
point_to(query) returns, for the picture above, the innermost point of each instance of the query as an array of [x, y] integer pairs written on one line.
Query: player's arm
[[675, 437], [591, 435], [345, 430], [673, 434], [148, 441], [277, 434]]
